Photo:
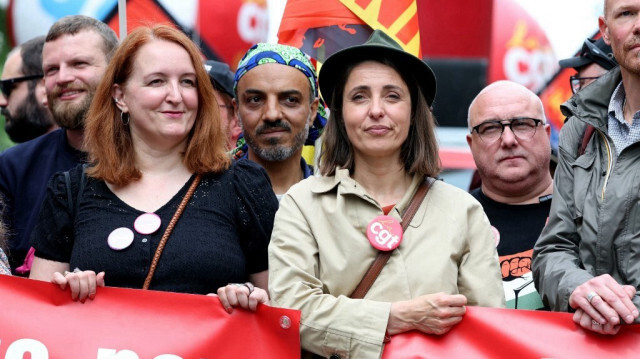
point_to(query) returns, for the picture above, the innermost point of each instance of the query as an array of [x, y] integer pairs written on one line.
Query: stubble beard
[[275, 152]]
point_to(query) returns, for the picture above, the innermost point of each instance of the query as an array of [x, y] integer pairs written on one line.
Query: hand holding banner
[[515, 333], [40, 319]]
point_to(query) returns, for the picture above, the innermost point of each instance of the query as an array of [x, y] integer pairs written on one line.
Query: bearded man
[[276, 97], [74, 58], [23, 102]]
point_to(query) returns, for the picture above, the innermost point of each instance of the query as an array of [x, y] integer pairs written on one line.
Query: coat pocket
[[584, 179]]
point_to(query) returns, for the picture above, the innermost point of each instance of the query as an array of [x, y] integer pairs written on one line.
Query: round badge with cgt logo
[[384, 233]]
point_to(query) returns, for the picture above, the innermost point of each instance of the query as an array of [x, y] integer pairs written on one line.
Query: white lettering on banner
[[37, 350], [127, 354], [383, 237], [530, 68], [20, 347], [114, 354]]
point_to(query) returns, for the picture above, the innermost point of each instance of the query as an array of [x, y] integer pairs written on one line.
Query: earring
[[124, 117]]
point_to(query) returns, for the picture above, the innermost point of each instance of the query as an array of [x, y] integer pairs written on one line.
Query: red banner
[[40, 319], [516, 333]]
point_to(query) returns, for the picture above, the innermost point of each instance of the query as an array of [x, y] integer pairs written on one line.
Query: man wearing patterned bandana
[[279, 110]]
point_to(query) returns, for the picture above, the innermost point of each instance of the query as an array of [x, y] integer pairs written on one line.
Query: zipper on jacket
[[609, 164]]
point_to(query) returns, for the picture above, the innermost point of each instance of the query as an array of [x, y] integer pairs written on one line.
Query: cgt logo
[[384, 233], [253, 22], [527, 61]]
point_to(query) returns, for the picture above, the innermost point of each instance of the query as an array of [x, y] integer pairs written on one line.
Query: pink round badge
[[147, 223], [496, 235], [120, 238], [384, 233]]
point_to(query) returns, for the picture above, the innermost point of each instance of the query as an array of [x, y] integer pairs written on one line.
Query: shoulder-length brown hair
[[419, 152], [108, 140]]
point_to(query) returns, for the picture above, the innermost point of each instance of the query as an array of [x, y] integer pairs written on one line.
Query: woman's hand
[[430, 314], [242, 295], [82, 284]]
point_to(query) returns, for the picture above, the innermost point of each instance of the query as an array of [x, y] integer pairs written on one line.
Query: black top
[[25, 170], [221, 237], [519, 225]]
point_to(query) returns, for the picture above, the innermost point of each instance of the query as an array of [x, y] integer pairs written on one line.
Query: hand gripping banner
[[40, 319], [516, 333]]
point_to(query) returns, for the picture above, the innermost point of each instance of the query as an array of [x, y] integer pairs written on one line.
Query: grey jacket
[[594, 224]]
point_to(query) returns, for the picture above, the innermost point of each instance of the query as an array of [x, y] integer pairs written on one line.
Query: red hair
[[108, 140]]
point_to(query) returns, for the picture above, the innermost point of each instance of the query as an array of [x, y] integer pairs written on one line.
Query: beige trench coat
[[319, 252]]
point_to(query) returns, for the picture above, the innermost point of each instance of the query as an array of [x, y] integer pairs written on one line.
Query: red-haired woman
[[155, 148]]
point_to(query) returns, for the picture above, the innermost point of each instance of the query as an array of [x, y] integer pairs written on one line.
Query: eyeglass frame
[[577, 78], [7, 85], [503, 125]]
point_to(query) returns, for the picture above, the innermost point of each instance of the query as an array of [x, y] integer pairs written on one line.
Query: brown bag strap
[[383, 256], [167, 232]]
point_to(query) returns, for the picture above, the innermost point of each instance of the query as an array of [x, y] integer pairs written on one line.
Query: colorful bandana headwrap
[[264, 53]]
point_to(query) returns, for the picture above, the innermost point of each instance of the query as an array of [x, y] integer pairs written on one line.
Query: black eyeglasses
[[522, 127], [6, 86], [578, 83]]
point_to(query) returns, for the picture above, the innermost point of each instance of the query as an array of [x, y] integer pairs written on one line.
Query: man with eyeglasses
[[74, 57], [23, 101], [587, 258], [509, 140], [594, 60], [222, 80]]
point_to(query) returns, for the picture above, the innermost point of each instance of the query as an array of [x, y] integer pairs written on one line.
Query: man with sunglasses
[[594, 60], [23, 101], [509, 140], [587, 258], [74, 57]]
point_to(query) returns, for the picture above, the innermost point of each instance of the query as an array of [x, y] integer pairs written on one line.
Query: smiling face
[[160, 95], [275, 110], [510, 164], [376, 110], [73, 66], [620, 27]]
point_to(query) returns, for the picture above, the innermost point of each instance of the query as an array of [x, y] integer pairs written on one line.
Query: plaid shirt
[[622, 134]]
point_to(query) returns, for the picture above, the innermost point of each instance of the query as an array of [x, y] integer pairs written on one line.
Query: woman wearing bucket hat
[[379, 157]]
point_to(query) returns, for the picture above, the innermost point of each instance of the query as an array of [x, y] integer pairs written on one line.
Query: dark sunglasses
[[6, 86]]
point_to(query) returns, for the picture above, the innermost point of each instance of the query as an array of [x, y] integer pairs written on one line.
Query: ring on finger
[[591, 295], [594, 323], [249, 286]]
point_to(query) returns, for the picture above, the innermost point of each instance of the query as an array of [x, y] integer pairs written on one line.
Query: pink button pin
[[147, 223], [384, 233], [120, 238]]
